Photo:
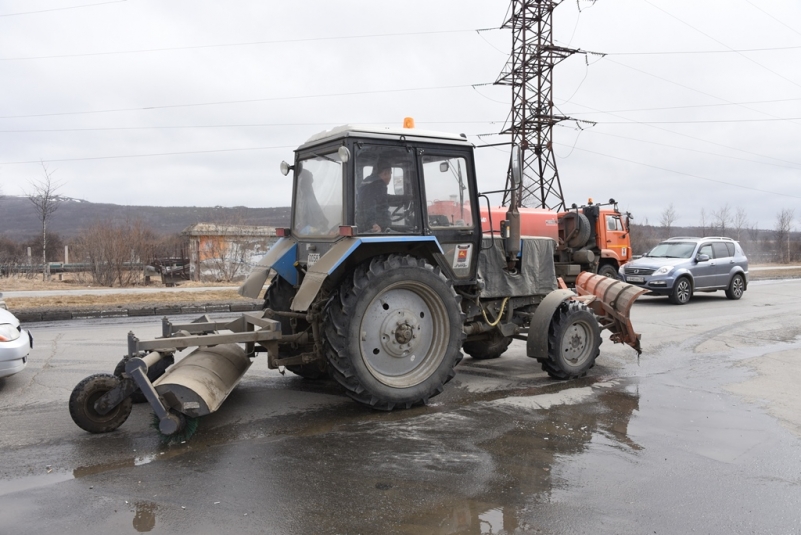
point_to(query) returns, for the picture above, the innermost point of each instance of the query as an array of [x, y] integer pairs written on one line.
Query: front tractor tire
[[82, 404], [393, 332], [574, 340]]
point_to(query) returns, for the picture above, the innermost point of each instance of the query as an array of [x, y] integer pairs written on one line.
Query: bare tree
[[44, 197], [722, 218], [668, 218], [703, 221], [740, 222], [784, 224]]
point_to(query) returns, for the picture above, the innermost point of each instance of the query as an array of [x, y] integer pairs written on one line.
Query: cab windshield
[[318, 195], [672, 250]]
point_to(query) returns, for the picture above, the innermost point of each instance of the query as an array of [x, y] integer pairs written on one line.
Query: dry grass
[[124, 300], [77, 281]]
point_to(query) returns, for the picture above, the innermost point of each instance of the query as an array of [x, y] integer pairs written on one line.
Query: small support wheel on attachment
[[82, 404]]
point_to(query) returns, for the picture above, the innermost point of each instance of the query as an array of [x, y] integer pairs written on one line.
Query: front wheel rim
[[576, 344], [737, 286], [683, 291], [404, 334]]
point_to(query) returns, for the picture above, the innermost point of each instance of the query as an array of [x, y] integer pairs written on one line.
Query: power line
[[682, 52], [691, 106], [227, 45], [718, 155], [177, 127], [245, 101], [704, 121], [62, 8], [146, 155], [723, 44], [783, 194], [688, 87], [688, 136], [774, 18]]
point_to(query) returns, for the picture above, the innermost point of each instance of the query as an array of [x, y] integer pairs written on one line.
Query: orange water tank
[[533, 221]]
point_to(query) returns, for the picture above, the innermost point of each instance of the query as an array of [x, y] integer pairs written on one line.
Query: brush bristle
[[189, 429]]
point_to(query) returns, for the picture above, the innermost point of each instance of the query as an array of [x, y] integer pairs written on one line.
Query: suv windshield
[[318, 195], [672, 250]]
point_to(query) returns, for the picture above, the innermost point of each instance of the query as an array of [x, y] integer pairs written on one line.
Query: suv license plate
[[312, 259], [635, 279]]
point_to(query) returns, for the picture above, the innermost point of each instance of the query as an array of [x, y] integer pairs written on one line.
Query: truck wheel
[[82, 404], [736, 287], [682, 291], [608, 270], [574, 340], [393, 332], [278, 297], [153, 373], [490, 348]]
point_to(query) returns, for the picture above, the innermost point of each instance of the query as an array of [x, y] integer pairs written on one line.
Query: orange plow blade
[[611, 300]]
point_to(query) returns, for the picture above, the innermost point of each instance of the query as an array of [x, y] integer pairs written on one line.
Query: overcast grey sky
[[179, 102]]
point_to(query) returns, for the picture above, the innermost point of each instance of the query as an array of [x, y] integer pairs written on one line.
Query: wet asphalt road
[[701, 435]]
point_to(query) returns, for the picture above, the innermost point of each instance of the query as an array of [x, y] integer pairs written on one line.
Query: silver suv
[[680, 266]]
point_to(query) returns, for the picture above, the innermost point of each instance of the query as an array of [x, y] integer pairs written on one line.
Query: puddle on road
[[144, 516], [9, 486]]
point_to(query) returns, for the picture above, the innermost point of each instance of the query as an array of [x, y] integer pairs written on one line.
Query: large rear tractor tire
[[82, 404], [574, 340], [393, 332], [489, 348], [278, 297]]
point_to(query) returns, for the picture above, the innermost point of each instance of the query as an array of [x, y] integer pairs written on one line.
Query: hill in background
[[19, 221]]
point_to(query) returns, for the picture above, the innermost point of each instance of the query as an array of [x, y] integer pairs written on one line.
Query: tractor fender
[[280, 259], [360, 248], [537, 343]]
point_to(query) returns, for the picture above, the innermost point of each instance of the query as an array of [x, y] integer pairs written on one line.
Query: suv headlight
[[8, 332], [664, 270]]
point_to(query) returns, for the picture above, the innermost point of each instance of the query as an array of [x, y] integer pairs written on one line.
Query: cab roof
[[365, 131]]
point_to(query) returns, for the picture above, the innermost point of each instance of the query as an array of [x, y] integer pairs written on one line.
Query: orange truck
[[593, 237]]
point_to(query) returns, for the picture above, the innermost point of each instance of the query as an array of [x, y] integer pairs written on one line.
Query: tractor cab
[[413, 188]]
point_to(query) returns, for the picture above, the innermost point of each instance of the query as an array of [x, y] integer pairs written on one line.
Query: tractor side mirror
[[443, 167]]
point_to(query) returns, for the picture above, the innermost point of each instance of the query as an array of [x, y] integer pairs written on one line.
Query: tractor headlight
[[8, 332], [664, 270]]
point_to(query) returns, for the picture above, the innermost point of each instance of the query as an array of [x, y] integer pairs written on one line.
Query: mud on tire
[[393, 332], [574, 340]]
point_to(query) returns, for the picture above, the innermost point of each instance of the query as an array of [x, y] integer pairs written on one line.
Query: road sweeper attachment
[[195, 386]]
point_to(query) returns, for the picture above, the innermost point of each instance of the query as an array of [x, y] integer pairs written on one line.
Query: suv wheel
[[682, 291], [736, 287]]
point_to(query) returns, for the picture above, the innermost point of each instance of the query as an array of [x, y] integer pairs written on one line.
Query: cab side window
[[721, 251], [614, 223], [447, 191]]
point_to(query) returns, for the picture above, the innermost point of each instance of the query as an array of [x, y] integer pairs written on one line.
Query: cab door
[[450, 202], [615, 237]]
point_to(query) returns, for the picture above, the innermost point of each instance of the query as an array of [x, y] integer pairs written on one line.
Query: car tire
[[682, 291], [736, 287]]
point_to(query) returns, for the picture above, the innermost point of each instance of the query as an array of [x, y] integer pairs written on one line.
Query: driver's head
[[384, 171]]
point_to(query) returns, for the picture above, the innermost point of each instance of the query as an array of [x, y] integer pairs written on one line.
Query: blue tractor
[[385, 275]]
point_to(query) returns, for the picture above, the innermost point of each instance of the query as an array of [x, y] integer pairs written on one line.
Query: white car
[[15, 344]]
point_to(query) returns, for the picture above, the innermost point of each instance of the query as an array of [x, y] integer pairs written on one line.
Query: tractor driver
[[373, 201]]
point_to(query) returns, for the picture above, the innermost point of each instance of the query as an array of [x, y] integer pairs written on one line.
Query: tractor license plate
[[635, 279], [312, 259]]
